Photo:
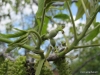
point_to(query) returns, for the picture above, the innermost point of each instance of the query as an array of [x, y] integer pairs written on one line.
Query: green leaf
[[78, 3], [61, 16], [44, 29], [27, 1], [40, 8], [39, 67], [93, 34], [37, 24], [80, 11]]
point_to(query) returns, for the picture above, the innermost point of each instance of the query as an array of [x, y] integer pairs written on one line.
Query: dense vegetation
[[73, 48]]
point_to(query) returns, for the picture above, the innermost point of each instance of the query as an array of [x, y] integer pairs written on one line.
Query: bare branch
[[52, 57]]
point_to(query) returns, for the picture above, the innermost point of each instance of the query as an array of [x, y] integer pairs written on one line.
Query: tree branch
[[54, 56], [75, 42], [75, 35]]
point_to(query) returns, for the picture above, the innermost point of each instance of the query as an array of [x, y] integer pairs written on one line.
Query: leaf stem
[[75, 35], [33, 38], [92, 30], [48, 52], [34, 56], [84, 7], [67, 41], [2, 39], [75, 47], [42, 20], [39, 38]]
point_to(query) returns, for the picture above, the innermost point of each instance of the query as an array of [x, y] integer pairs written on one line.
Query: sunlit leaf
[[93, 34], [80, 11], [40, 8], [44, 30]]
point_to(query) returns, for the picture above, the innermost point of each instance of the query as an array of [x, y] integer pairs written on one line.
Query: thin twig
[[42, 20], [75, 35], [84, 7]]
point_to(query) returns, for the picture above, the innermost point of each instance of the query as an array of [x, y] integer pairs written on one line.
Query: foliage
[[33, 35], [62, 66], [13, 67]]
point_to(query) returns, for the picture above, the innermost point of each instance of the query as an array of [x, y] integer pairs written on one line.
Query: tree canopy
[[43, 37]]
